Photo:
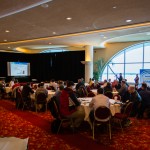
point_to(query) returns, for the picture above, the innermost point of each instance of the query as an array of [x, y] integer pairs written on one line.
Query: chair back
[[102, 114], [41, 98], [128, 108], [54, 109]]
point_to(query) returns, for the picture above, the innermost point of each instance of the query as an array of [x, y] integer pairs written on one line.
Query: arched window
[[128, 62]]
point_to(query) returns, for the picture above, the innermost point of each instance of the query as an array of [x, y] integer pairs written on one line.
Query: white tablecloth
[[114, 108], [50, 95], [13, 143]]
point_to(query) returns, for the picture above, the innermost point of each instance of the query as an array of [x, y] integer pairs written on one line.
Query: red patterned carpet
[[36, 126]]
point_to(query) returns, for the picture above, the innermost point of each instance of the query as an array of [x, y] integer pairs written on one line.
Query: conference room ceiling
[[35, 26]]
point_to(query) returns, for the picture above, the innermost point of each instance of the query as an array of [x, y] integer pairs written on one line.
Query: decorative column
[[88, 62]]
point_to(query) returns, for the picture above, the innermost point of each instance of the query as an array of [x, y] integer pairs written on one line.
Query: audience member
[[145, 103], [26, 91], [41, 89], [53, 84], [98, 100], [70, 106], [132, 96]]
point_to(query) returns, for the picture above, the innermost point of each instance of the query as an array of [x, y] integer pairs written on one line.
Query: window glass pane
[[133, 62], [104, 75], [119, 58], [134, 54], [131, 70], [147, 52], [111, 75], [147, 66], [116, 68]]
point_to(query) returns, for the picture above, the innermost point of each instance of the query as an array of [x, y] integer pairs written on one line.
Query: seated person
[[133, 96], [108, 87], [58, 93], [70, 106], [53, 85], [41, 89], [145, 103], [2, 88], [26, 91], [99, 100], [80, 83]]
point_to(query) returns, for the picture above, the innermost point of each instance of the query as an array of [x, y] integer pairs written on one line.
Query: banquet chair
[[56, 114], [20, 102], [102, 115], [124, 115], [41, 99]]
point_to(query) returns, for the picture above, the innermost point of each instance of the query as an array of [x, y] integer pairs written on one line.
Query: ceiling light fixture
[[5, 40], [68, 18], [114, 7], [8, 47], [54, 32], [7, 31], [128, 20]]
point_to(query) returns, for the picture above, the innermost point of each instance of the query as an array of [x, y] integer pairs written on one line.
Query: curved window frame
[[124, 67]]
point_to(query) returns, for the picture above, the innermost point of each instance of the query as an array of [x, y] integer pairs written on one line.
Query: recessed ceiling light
[[54, 32], [128, 20], [7, 31], [5, 40], [68, 18], [115, 7], [8, 47]]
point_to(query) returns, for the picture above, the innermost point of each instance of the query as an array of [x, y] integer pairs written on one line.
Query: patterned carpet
[[36, 126]]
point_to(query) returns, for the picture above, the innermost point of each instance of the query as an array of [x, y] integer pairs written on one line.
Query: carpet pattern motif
[[36, 126]]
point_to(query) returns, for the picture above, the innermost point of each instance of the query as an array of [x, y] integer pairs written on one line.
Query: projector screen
[[18, 68]]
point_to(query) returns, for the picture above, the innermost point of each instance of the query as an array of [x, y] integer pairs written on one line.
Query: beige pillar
[[88, 62]]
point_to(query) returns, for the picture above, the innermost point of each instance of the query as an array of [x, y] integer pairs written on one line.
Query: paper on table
[[13, 143]]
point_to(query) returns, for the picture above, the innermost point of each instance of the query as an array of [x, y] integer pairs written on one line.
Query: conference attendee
[[41, 89], [120, 78], [11, 83], [123, 89], [16, 84], [99, 100], [53, 84], [108, 87], [80, 83], [145, 103], [57, 95], [70, 107], [133, 96], [26, 91], [2, 88], [104, 83], [136, 81]]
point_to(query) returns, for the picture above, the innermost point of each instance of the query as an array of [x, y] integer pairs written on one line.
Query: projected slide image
[[19, 69]]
